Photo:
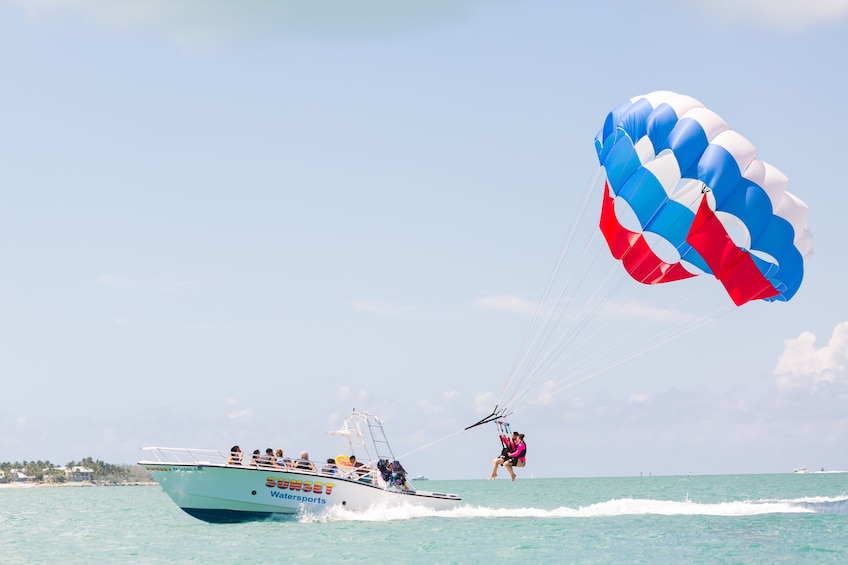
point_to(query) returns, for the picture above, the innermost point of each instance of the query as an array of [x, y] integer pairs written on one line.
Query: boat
[[204, 485]]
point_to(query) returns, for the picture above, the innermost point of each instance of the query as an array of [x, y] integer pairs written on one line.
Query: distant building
[[18, 475], [76, 473]]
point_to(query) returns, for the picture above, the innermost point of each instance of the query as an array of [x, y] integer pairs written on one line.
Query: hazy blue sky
[[233, 222]]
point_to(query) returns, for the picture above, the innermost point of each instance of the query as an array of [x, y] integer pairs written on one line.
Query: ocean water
[[785, 518]]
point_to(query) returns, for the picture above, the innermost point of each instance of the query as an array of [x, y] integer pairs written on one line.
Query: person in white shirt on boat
[[304, 462]]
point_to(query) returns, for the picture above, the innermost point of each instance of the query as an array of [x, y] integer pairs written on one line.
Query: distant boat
[[202, 484], [420, 478], [805, 470]]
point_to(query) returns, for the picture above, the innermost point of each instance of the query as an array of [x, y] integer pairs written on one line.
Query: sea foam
[[385, 512]]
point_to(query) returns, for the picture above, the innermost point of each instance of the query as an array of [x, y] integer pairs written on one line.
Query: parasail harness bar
[[497, 414]]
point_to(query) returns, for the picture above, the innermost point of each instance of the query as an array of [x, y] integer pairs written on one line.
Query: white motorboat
[[203, 484]]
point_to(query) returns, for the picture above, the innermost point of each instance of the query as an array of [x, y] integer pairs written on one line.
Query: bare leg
[[495, 463], [508, 467]]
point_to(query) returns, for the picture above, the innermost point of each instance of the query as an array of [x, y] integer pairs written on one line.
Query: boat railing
[[191, 456], [186, 455]]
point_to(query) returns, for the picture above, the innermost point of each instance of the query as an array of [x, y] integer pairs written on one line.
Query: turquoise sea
[[781, 518]]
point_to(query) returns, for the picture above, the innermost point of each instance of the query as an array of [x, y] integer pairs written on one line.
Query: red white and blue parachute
[[685, 195], [682, 195]]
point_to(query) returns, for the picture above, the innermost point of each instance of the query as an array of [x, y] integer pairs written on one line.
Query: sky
[[233, 223]]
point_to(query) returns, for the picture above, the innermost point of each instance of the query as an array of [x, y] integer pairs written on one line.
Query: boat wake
[[610, 508]]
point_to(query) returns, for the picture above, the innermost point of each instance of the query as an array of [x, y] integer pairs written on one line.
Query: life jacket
[[523, 452]]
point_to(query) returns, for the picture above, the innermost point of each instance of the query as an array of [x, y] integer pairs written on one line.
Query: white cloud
[[451, 396], [240, 414], [638, 398], [484, 402], [345, 394], [785, 15], [803, 366], [548, 391], [431, 408], [237, 413], [507, 303]]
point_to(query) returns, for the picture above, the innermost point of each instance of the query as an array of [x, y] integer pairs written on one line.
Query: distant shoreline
[[25, 484]]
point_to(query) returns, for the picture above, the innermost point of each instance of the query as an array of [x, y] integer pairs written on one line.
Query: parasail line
[[566, 384], [580, 214]]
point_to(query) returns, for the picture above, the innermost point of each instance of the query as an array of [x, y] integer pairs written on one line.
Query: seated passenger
[[278, 460], [304, 462], [254, 461], [235, 456], [330, 468], [384, 467], [267, 460], [360, 471], [398, 477], [358, 468]]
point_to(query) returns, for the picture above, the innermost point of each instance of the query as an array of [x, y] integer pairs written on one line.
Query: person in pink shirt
[[513, 454], [518, 457]]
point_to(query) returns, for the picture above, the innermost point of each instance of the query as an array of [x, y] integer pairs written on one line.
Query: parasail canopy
[[685, 195]]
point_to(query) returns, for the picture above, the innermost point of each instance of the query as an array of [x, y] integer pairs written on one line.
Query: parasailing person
[[513, 451]]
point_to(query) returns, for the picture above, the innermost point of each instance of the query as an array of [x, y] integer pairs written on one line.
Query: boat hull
[[216, 493]]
